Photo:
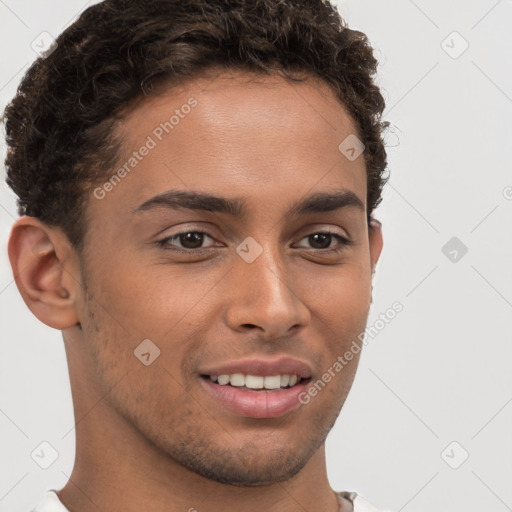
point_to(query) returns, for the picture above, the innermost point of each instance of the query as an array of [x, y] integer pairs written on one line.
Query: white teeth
[[237, 379], [272, 382], [223, 379], [256, 381], [253, 382]]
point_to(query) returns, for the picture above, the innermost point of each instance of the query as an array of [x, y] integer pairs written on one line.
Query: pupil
[[322, 235], [192, 240]]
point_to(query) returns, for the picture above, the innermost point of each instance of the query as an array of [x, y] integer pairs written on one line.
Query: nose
[[263, 298]]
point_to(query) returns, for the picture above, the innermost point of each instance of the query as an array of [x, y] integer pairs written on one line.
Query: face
[[269, 279]]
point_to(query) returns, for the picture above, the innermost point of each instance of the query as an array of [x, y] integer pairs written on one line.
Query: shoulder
[[358, 502], [50, 503]]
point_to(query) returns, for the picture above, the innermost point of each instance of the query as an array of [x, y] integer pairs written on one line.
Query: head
[[197, 182]]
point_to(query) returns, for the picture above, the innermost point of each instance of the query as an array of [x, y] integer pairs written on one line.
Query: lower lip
[[257, 404]]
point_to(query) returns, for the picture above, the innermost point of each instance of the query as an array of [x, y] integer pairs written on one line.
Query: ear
[[41, 259], [376, 241]]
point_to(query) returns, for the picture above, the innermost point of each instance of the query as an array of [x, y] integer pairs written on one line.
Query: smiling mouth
[[257, 383]]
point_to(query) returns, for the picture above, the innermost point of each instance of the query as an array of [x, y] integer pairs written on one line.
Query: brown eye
[[187, 241], [192, 240], [322, 241]]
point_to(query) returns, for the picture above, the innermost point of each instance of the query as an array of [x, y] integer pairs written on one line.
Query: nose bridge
[[268, 274], [264, 297]]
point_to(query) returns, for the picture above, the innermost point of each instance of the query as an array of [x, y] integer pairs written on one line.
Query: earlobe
[[38, 254]]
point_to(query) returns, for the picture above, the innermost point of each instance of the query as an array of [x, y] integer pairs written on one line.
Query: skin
[[149, 437]]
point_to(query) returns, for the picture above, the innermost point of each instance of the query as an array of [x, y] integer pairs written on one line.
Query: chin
[[248, 465], [237, 472]]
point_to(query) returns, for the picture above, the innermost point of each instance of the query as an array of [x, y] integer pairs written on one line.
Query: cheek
[[342, 309], [144, 301], [343, 298]]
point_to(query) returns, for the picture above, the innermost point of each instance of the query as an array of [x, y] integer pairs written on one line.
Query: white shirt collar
[[52, 503]]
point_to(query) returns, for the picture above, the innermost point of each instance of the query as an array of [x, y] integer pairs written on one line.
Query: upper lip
[[262, 367]]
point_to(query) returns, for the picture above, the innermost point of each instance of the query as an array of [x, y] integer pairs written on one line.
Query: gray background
[[440, 371]]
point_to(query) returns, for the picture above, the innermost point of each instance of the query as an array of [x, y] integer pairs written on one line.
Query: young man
[[196, 182]]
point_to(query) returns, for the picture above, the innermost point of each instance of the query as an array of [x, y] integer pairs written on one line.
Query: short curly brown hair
[[60, 125]]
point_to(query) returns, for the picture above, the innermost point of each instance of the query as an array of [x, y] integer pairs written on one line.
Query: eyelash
[[343, 242]]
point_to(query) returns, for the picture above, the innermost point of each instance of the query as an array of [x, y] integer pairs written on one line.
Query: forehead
[[240, 134]]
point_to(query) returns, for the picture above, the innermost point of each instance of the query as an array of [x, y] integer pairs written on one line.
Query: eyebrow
[[319, 202]]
